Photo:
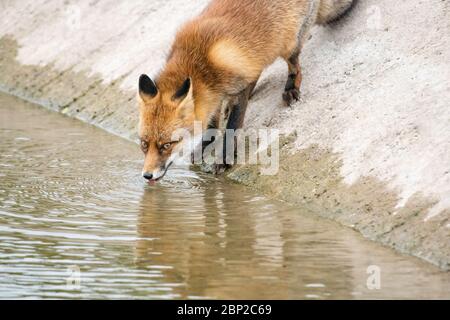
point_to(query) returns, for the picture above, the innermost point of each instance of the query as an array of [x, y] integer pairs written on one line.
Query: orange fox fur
[[219, 56]]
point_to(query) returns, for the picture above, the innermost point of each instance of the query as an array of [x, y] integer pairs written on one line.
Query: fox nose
[[148, 176]]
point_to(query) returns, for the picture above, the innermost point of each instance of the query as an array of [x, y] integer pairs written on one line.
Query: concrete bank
[[368, 145]]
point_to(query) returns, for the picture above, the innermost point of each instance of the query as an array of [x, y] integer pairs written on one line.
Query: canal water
[[78, 222]]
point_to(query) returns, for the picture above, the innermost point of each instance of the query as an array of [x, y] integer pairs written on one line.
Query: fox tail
[[331, 11]]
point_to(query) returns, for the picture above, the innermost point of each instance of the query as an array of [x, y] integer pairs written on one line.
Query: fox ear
[[184, 90], [147, 88], [186, 97]]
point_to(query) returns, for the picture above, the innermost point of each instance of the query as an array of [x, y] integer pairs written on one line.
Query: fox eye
[[166, 146], [144, 146]]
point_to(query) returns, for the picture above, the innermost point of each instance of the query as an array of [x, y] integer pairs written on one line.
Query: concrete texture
[[368, 145]]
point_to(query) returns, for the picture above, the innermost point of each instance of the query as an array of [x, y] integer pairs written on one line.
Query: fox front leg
[[235, 122], [214, 124]]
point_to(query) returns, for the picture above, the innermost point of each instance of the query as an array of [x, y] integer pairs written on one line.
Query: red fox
[[218, 58]]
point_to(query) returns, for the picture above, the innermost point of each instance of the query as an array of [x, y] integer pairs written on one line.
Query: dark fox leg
[[294, 82], [214, 124], [235, 122]]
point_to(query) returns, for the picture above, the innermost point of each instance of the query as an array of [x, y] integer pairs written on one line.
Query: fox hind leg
[[293, 84], [294, 81]]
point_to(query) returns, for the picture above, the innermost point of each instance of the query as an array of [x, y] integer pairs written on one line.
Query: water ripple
[[72, 203]]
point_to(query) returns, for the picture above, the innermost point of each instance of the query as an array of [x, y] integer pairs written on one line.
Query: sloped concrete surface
[[368, 145]]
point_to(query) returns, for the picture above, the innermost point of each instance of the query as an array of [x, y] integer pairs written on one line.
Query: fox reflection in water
[[217, 246], [217, 240]]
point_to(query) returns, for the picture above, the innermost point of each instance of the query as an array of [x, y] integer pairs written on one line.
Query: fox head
[[162, 115]]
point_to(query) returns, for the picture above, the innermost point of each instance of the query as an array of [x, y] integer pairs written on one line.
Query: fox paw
[[290, 96]]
